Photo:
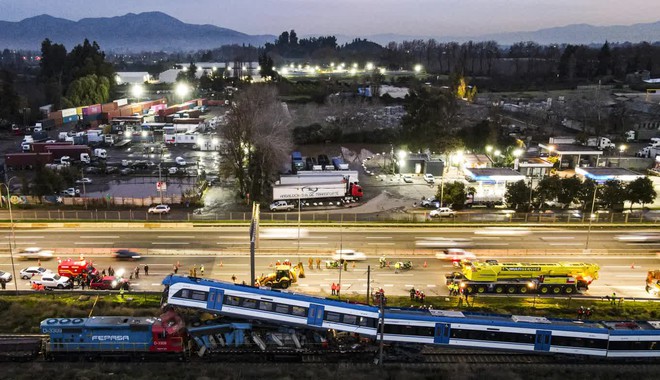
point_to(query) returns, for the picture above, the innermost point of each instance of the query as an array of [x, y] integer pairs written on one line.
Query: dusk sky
[[358, 17]]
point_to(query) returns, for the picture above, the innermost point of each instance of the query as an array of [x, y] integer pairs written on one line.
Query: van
[[428, 177]]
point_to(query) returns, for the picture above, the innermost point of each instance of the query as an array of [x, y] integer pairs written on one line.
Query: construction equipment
[[511, 278], [653, 282], [283, 277]]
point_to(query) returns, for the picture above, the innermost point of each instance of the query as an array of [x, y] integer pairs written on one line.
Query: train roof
[[265, 291], [99, 322]]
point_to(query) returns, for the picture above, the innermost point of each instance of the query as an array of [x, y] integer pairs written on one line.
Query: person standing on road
[[333, 288], [338, 289], [137, 272], [175, 269], [311, 263], [396, 267], [412, 294], [345, 265], [146, 269], [201, 269], [318, 263]]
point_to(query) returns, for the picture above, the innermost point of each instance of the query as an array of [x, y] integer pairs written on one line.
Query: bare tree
[[257, 140]]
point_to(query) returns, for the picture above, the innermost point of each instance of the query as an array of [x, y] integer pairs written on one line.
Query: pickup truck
[[53, 281]]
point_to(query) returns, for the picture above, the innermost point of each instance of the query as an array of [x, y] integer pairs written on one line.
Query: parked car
[[442, 212], [71, 192], [109, 283], [348, 255], [430, 203], [173, 170], [5, 276], [281, 206], [160, 209], [180, 161], [127, 171], [126, 254], [429, 178], [84, 180], [29, 272], [407, 178], [34, 253]]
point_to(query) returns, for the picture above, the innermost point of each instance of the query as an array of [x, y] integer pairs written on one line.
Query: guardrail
[[328, 217]]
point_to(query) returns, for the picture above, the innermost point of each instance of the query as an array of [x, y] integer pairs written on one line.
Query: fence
[[99, 214]]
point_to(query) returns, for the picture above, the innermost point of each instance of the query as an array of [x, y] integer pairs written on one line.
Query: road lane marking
[[176, 237], [627, 275], [377, 237], [570, 244], [388, 285], [431, 285], [94, 242], [309, 243], [487, 237], [557, 237], [234, 243], [25, 237], [380, 243], [487, 243], [99, 237], [642, 243], [170, 242], [246, 236]]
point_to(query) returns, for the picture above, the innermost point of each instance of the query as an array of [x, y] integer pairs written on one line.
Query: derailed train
[[630, 339]]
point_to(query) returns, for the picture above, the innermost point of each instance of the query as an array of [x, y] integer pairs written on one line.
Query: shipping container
[[42, 147], [73, 151], [55, 115], [107, 107], [69, 112], [79, 111], [27, 160], [121, 102], [70, 119], [93, 109]]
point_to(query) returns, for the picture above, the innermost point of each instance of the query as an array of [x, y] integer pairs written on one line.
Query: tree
[[640, 191], [429, 120], [257, 140], [9, 99], [46, 182], [569, 190], [586, 195], [613, 194], [266, 67], [547, 190], [188, 75], [604, 60], [87, 90], [517, 195], [454, 193]]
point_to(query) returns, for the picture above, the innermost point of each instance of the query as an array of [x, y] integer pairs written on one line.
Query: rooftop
[[494, 174], [571, 149], [602, 174], [534, 162]]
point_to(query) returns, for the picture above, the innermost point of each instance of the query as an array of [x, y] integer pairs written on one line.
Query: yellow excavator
[[283, 277], [653, 282]]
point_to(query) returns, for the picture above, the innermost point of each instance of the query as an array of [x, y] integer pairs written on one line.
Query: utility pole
[[253, 232], [160, 182], [593, 203], [341, 264], [381, 327], [368, 284]]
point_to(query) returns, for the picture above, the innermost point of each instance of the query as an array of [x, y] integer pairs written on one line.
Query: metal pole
[[341, 252], [299, 197], [593, 203], [160, 181], [368, 284], [82, 178], [11, 249], [382, 330]]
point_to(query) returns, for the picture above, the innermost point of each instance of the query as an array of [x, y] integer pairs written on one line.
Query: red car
[[109, 283]]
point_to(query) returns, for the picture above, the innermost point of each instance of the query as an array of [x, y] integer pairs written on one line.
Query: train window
[[299, 311], [71, 331], [368, 322], [183, 293], [496, 336], [265, 305], [571, 341], [199, 296], [332, 317], [249, 303], [232, 300], [350, 319], [634, 346], [280, 308]]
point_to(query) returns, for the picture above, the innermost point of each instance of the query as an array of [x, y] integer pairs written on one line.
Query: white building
[[132, 77]]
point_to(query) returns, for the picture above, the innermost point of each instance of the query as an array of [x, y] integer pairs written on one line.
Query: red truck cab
[[73, 269]]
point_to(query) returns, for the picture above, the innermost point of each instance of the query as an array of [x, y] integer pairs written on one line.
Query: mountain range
[[155, 31], [149, 31], [573, 34]]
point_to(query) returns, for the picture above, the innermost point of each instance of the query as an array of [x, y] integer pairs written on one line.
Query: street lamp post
[[591, 216], [137, 91], [182, 90], [11, 223]]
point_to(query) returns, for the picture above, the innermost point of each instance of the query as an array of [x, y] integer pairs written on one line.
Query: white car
[[455, 254], [503, 231], [441, 242], [29, 272], [173, 170], [442, 212], [160, 209], [407, 178], [642, 237], [281, 206], [84, 180], [349, 255], [34, 253], [6, 276], [53, 281], [72, 192], [429, 178], [282, 233], [180, 161]]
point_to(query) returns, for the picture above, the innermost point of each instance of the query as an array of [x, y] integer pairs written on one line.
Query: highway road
[[224, 253]]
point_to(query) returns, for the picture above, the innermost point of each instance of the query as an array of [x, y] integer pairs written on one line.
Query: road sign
[[161, 185]]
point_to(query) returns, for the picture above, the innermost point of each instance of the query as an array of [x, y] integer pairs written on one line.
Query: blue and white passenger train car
[[438, 327], [273, 306]]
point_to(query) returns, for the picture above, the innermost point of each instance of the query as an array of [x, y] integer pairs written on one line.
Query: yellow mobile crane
[[653, 282], [283, 277], [511, 278]]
